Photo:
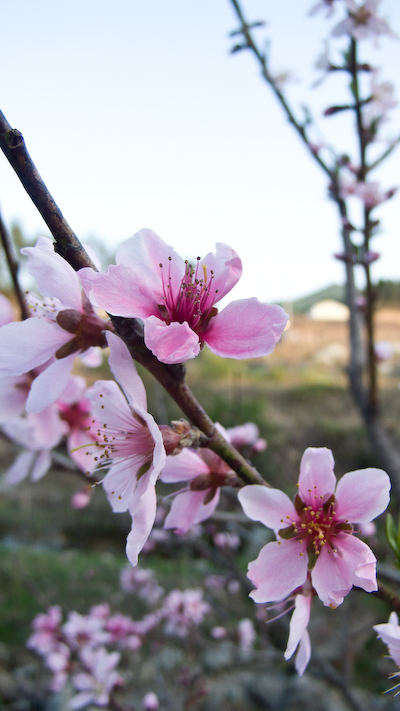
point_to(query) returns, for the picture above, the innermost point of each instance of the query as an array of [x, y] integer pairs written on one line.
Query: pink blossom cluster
[[78, 649], [316, 552]]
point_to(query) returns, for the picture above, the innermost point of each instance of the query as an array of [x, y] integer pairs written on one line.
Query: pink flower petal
[[50, 384], [13, 394], [183, 467], [304, 653], [188, 508], [144, 252], [44, 339], [41, 466], [18, 471], [362, 495], [270, 506], [137, 299], [317, 480], [226, 266], [279, 569], [298, 623], [120, 483], [334, 573], [143, 516], [54, 276], [124, 370], [173, 343], [245, 329]]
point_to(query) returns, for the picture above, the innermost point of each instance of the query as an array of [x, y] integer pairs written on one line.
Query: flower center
[[194, 300], [317, 527]]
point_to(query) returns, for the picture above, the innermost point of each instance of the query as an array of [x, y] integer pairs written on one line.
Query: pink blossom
[[81, 498], [246, 435], [85, 630], [206, 473], [382, 100], [38, 433], [95, 686], [128, 439], [76, 410], [362, 22], [247, 634], [226, 540], [47, 632], [389, 633], [63, 324], [182, 610], [142, 582], [150, 702], [177, 301], [218, 632], [315, 531]]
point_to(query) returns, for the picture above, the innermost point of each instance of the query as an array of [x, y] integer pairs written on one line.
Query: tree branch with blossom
[[171, 377], [359, 23]]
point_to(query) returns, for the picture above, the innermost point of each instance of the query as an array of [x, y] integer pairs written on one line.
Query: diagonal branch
[[172, 378], [250, 44]]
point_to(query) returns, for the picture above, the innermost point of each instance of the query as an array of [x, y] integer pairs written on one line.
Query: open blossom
[[246, 435], [362, 21], [128, 438], [206, 472], [182, 610], [96, 685], [389, 633], [63, 324], [176, 301], [315, 532], [382, 100], [38, 433]]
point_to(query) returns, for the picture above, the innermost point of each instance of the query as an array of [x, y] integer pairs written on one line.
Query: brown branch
[[13, 267], [67, 243], [250, 44], [171, 377]]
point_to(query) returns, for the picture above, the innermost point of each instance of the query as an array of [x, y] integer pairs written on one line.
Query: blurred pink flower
[[128, 438], [247, 634], [389, 633], [206, 473], [95, 686], [38, 433], [315, 532], [150, 702], [176, 301], [182, 610], [362, 22]]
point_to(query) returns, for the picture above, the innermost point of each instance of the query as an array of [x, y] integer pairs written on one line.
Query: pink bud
[[150, 702], [81, 498]]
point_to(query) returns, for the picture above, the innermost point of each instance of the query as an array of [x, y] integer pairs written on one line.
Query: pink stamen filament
[[194, 299]]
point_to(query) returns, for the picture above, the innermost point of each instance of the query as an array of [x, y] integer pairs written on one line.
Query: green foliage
[[393, 537]]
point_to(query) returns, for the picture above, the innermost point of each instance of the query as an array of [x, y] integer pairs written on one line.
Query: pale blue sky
[[137, 116]]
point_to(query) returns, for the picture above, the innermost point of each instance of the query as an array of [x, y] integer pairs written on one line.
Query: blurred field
[[53, 554]]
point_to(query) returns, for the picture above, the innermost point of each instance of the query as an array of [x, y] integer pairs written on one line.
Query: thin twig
[[250, 44], [13, 267]]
